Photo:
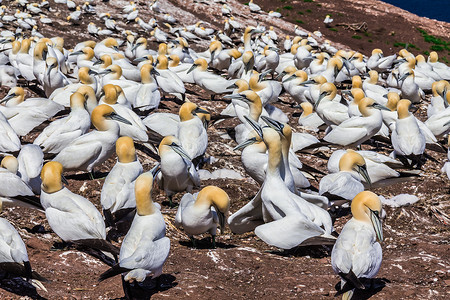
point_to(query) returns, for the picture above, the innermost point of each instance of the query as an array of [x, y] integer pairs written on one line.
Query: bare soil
[[416, 251]]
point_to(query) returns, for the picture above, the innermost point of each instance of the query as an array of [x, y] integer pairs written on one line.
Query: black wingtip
[[111, 272]]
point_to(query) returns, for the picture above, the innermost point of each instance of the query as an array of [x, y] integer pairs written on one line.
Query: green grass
[[333, 29], [319, 5], [299, 21], [308, 10], [369, 40], [444, 59], [308, 0], [437, 48], [404, 45], [356, 37], [300, 13], [287, 7], [367, 34], [426, 52], [438, 44]]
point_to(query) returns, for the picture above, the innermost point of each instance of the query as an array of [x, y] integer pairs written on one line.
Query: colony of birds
[[114, 87]]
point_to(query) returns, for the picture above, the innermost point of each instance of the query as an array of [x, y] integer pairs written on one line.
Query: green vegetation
[[299, 21], [369, 40], [308, 0], [308, 10], [367, 34], [300, 13], [288, 7], [438, 44], [426, 52], [356, 37], [333, 29], [319, 5], [406, 45]]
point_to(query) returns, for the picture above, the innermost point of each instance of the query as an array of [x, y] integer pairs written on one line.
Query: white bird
[[118, 189], [407, 138], [145, 248], [53, 77], [379, 62], [274, 14], [345, 184], [357, 252], [378, 165], [72, 217], [135, 128], [9, 141], [148, 96], [191, 132], [328, 21], [168, 80], [31, 159], [331, 112], [410, 89], [358, 129], [93, 148], [25, 114], [254, 7], [14, 255], [440, 68], [446, 167], [62, 132], [309, 119], [12, 185], [177, 171], [203, 213]]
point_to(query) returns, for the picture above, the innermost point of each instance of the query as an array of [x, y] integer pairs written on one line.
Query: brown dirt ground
[[416, 251]]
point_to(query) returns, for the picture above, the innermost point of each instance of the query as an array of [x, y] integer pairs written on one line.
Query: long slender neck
[[275, 159]]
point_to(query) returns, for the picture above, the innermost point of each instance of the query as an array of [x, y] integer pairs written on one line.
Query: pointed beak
[[135, 46], [199, 110], [180, 151], [92, 72], [281, 75], [380, 107], [105, 71], [289, 78], [114, 116], [307, 82], [192, 68], [320, 99], [403, 77], [115, 48], [155, 170], [234, 96], [263, 75], [98, 62], [273, 124], [363, 171], [245, 144], [232, 87], [346, 65], [222, 219], [64, 180], [138, 60], [154, 72], [255, 126], [52, 66], [377, 225], [7, 98], [76, 53], [247, 67]]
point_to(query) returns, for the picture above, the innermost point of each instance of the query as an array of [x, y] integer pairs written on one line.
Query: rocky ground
[[416, 251]]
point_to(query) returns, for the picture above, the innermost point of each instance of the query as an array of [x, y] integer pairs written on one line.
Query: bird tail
[[113, 271], [99, 244], [347, 295]]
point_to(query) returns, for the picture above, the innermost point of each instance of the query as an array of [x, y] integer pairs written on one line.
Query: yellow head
[[143, 192], [10, 163], [403, 108], [393, 99], [110, 94], [366, 207], [125, 150], [51, 175]]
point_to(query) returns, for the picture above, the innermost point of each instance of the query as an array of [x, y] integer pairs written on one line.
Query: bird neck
[[144, 202]]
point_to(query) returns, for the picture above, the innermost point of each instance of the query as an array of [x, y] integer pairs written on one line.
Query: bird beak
[[76, 53], [403, 76], [192, 68], [98, 62], [92, 72], [289, 78], [363, 171], [222, 219], [180, 151], [376, 223], [114, 116], [50, 69], [346, 65], [199, 110], [155, 170], [7, 98], [273, 124], [232, 87], [280, 75], [105, 71], [64, 180], [263, 75], [245, 144], [255, 126], [154, 72], [135, 46], [380, 107], [320, 99], [115, 48], [307, 82], [234, 96], [102, 93], [247, 67], [138, 60]]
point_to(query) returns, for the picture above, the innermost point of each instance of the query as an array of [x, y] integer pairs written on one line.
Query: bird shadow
[[373, 286], [319, 251], [150, 287], [205, 243], [87, 176], [20, 287]]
